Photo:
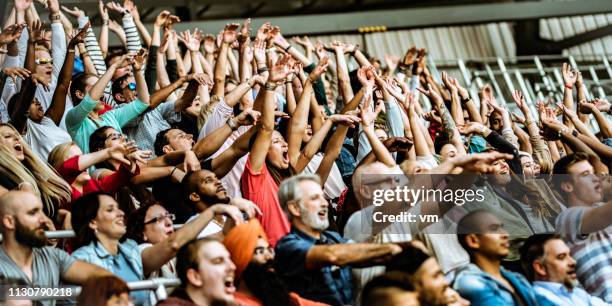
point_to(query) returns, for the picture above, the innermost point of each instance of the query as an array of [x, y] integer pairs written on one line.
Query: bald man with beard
[[24, 254]]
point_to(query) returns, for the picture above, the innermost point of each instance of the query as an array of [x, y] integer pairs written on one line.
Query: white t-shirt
[[334, 185], [210, 229], [44, 136], [219, 116]]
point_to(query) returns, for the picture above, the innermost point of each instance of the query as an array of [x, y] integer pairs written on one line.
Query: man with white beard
[[313, 262]]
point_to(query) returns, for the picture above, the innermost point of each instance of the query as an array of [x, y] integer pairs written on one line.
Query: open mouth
[[285, 157], [221, 189], [323, 213], [120, 222], [18, 147], [228, 282]]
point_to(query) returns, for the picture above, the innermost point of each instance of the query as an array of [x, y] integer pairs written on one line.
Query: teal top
[[80, 126]]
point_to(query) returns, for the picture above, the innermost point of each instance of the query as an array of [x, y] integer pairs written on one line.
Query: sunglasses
[[115, 136], [43, 61], [172, 217], [131, 86]]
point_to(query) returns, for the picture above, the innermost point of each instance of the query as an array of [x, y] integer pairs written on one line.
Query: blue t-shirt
[[331, 284]]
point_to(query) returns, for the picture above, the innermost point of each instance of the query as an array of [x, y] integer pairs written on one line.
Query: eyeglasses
[[261, 250], [43, 60], [160, 218], [131, 86], [115, 136]]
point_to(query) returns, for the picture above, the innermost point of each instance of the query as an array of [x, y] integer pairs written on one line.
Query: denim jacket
[[483, 290], [95, 253]]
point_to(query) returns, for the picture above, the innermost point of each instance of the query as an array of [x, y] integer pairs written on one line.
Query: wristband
[[466, 100], [271, 86], [54, 17], [262, 70], [287, 49], [172, 172], [561, 131], [575, 133], [105, 22], [569, 86]]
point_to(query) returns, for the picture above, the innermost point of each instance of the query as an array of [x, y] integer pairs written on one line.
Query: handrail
[[70, 233]]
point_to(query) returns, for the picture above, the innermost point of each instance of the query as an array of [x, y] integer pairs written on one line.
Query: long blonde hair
[[46, 183]]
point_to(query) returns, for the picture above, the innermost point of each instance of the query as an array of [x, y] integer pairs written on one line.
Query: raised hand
[[162, 18], [37, 32], [603, 105], [448, 83], [229, 33], [74, 12], [569, 75], [119, 152], [116, 28], [259, 51], [209, 43], [472, 127], [114, 6], [140, 58], [432, 117], [419, 66], [11, 33], [463, 93], [201, 78], [247, 117], [172, 19], [586, 107], [431, 94], [102, 10], [345, 119], [367, 115], [320, 50], [190, 41], [519, 99], [398, 144], [280, 70], [392, 61], [479, 162], [40, 79], [245, 31], [15, 72], [319, 69], [80, 36], [131, 7], [22, 5], [409, 57], [262, 32], [304, 42], [366, 76]]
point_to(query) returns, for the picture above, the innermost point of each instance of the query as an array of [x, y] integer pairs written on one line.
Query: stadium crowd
[[263, 150]]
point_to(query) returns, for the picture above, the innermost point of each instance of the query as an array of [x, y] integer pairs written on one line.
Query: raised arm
[[229, 36], [602, 121], [278, 73], [224, 162], [569, 79], [20, 103], [133, 10], [344, 82], [58, 104], [449, 125], [299, 119], [368, 116]]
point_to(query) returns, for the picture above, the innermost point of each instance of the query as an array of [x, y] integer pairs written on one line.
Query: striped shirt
[[593, 252]]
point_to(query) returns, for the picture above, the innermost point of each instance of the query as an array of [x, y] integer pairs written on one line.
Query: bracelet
[[466, 100], [568, 86], [105, 22], [270, 50], [262, 69], [3, 51], [172, 172], [271, 86], [288, 47], [84, 54], [232, 124], [575, 133], [54, 17], [561, 131], [288, 82], [528, 122]]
